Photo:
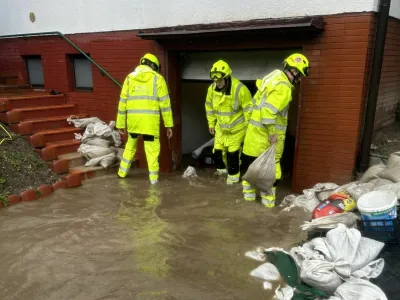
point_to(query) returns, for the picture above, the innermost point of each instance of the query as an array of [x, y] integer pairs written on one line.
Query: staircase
[[41, 118]]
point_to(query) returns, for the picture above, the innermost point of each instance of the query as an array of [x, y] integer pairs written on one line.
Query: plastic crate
[[386, 231]]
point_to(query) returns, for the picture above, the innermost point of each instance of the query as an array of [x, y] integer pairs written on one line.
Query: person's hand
[[170, 133], [212, 131], [273, 138], [122, 131]]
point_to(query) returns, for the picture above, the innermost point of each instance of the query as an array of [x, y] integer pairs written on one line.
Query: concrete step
[[24, 114], [91, 172], [67, 161], [52, 150], [41, 138], [36, 125], [14, 88], [38, 99]]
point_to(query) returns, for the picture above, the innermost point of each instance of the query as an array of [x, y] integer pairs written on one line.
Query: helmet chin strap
[[295, 77]]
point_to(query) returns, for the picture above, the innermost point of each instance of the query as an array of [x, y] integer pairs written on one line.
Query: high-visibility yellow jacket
[[143, 96], [229, 113], [270, 114]]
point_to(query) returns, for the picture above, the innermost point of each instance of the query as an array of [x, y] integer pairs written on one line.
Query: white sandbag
[[189, 172], [394, 188], [324, 275], [358, 289], [309, 251], [116, 136], [347, 244], [103, 161], [321, 191], [98, 142], [303, 202], [343, 188], [380, 182], [330, 222], [392, 173], [256, 255], [371, 173], [108, 160], [284, 293], [102, 130], [372, 270], [267, 272], [196, 153], [357, 190], [82, 123], [393, 160], [90, 151], [261, 173]]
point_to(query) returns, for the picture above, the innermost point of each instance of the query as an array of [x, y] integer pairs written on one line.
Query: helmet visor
[[217, 75]]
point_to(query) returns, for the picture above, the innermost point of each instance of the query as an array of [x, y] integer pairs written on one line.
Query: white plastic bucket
[[378, 205]]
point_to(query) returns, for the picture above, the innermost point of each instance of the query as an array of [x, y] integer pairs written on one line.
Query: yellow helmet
[[299, 62], [148, 57], [219, 70]]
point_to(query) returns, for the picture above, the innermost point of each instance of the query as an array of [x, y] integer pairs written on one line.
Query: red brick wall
[[332, 102], [332, 98], [389, 88]]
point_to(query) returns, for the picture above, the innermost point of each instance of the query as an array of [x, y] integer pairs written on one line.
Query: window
[[35, 71], [82, 72]]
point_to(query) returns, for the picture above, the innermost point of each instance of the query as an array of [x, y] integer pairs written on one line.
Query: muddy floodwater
[[122, 239]]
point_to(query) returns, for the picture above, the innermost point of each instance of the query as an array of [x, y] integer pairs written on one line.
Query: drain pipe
[[373, 89]]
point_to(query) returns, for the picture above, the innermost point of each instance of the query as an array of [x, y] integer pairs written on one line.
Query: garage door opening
[[247, 66]]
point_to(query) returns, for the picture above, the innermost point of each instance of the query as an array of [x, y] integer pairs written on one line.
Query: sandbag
[[82, 123], [393, 160], [393, 187], [98, 142], [301, 201], [324, 275], [261, 173], [371, 173], [108, 160], [358, 289], [357, 190], [103, 161], [90, 151], [392, 173], [321, 191], [330, 222], [380, 182], [267, 272]]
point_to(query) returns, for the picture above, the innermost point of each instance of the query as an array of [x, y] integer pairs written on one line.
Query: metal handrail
[[23, 35]]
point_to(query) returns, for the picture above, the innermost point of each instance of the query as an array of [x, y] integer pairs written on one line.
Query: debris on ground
[[189, 172], [99, 143], [20, 167], [338, 266], [323, 199]]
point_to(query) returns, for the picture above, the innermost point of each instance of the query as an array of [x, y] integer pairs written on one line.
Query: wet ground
[[122, 239]]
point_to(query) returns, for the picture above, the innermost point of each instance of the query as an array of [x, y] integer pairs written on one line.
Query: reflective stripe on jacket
[[270, 113], [143, 96], [230, 113]]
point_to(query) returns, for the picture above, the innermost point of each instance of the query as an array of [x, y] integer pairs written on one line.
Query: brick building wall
[[331, 103], [389, 88]]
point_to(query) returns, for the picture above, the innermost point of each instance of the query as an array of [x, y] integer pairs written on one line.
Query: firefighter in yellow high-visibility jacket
[[144, 95], [269, 119], [228, 108]]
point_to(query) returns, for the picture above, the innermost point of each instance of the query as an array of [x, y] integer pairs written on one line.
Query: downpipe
[[373, 89]]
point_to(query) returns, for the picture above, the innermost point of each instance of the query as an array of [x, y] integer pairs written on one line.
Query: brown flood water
[[122, 239]]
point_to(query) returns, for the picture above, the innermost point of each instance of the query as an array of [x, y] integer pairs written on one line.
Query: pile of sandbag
[[337, 267], [99, 143], [377, 178]]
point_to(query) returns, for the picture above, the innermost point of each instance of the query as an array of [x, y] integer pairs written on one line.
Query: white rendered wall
[[76, 16]]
